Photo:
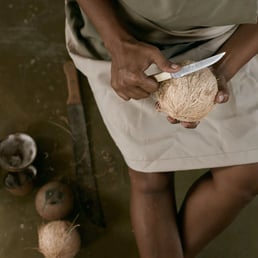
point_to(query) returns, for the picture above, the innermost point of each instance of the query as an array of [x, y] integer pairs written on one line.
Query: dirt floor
[[33, 95]]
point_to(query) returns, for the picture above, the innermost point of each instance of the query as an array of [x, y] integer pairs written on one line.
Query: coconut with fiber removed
[[54, 200], [20, 183], [17, 151], [189, 98], [59, 239]]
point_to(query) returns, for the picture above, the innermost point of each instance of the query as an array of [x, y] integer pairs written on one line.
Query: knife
[[85, 179], [190, 68]]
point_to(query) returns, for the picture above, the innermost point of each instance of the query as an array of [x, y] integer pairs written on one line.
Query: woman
[[115, 44]]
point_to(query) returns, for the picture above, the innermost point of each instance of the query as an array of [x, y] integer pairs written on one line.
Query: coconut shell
[[189, 98], [20, 183], [17, 151], [59, 239], [54, 200]]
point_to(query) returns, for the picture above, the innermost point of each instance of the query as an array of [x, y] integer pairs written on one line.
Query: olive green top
[[178, 14], [163, 23]]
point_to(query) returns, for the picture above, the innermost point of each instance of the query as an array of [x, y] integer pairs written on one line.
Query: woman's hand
[[222, 94], [129, 61], [221, 97], [130, 58]]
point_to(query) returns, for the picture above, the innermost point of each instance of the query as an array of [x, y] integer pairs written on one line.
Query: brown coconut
[[59, 239], [20, 183], [54, 200], [189, 98]]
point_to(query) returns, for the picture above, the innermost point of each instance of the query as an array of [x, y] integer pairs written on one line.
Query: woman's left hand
[[223, 93], [221, 97]]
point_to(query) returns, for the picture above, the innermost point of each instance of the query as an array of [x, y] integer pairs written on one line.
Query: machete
[[85, 179]]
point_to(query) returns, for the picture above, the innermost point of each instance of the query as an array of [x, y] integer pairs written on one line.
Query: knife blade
[[85, 178], [190, 68]]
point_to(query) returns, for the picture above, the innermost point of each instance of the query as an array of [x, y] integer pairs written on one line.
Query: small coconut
[[21, 183], [189, 98], [59, 239], [54, 200], [17, 151]]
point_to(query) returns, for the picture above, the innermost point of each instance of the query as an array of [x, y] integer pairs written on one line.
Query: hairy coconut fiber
[[59, 239], [189, 98]]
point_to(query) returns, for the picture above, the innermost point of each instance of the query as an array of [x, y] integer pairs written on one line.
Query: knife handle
[[159, 77], [70, 71]]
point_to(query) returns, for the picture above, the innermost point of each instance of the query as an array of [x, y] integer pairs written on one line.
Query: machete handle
[[70, 71]]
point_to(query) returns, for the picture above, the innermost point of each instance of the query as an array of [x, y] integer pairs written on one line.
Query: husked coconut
[[17, 151], [59, 239], [54, 200], [189, 98], [20, 183]]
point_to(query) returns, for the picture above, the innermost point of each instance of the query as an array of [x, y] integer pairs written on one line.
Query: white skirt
[[149, 143]]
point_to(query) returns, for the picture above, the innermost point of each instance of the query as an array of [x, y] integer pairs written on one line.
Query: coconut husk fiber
[[189, 98], [59, 239]]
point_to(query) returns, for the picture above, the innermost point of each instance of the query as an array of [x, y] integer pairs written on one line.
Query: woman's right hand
[[130, 58]]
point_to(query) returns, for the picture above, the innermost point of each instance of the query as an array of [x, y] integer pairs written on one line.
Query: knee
[[241, 181], [150, 182]]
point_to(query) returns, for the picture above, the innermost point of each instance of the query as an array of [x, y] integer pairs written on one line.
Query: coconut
[[59, 239], [54, 200], [17, 151], [189, 98], [20, 183]]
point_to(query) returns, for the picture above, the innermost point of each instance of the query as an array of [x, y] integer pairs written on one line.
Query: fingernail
[[172, 120], [157, 106], [174, 66], [226, 97], [221, 98]]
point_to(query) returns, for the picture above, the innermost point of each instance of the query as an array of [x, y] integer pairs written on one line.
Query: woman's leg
[[153, 215], [213, 202]]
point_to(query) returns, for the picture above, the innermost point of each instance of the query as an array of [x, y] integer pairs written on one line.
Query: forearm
[[239, 48], [103, 16]]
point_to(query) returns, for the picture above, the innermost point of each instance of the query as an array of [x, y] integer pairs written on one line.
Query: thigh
[[241, 177]]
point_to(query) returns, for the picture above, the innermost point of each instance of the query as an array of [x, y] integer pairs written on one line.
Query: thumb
[[223, 93], [164, 64]]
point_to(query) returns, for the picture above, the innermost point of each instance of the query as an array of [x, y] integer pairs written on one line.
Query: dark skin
[[220, 194], [130, 57]]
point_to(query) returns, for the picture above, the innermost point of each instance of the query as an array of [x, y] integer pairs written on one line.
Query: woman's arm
[[239, 48], [102, 14], [130, 57]]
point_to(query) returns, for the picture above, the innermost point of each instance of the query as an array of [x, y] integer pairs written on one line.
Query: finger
[[164, 64], [137, 79], [190, 125], [133, 93], [157, 106], [223, 93], [123, 96], [137, 93], [172, 120], [124, 86], [129, 90], [144, 82], [221, 97]]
